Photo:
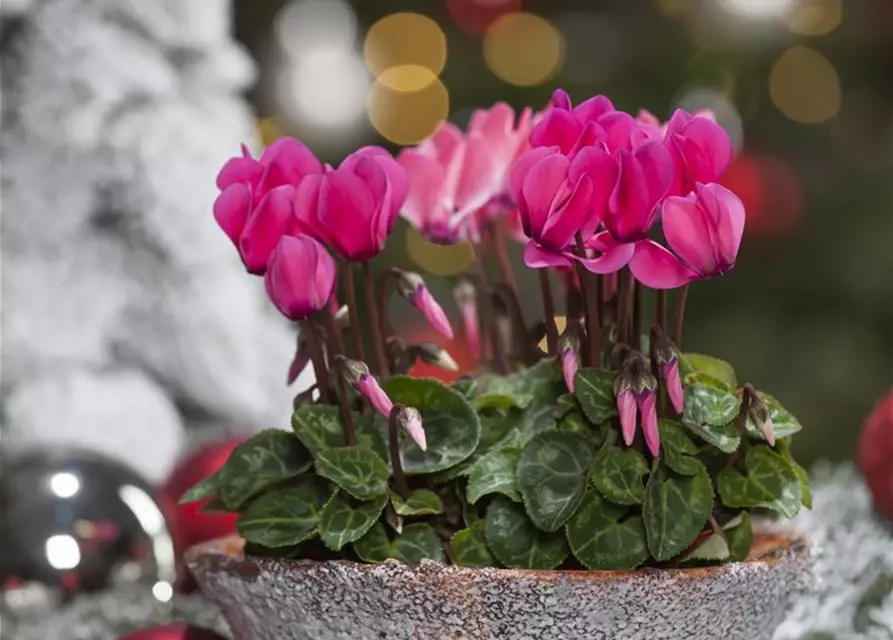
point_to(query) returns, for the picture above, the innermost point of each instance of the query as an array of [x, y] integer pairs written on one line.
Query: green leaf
[[677, 449], [421, 502], [452, 427], [566, 402], [602, 538], [784, 424], [468, 548], [417, 542], [709, 405], [575, 422], [465, 387], [617, 474], [495, 401], [696, 363], [724, 438], [516, 543], [342, 522], [287, 516], [357, 470], [551, 477], [740, 539], [494, 473], [320, 428], [266, 458], [770, 483], [526, 387], [493, 429], [675, 510], [782, 446], [595, 393], [206, 488]]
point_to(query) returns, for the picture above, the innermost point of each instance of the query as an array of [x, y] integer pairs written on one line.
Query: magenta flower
[[570, 128], [412, 287], [273, 218], [635, 391], [352, 209], [702, 148], [244, 182], [300, 277], [704, 230], [454, 176], [670, 373], [411, 421], [553, 207]]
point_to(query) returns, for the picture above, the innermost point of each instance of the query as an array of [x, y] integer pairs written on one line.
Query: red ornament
[[876, 453], [179, 631], [190, 523]]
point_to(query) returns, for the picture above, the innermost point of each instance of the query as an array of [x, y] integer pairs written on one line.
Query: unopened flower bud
[[569, 353], [760, 414], [411, 420], [635, 390], [432, 354], [412, 287], [357, 374], [666, 357]]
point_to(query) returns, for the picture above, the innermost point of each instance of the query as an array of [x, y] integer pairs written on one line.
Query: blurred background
[[804, 87]]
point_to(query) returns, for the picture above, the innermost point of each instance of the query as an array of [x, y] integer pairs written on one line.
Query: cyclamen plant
[[609, 450]]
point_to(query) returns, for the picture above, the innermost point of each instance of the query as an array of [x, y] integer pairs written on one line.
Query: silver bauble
[[75, 522]]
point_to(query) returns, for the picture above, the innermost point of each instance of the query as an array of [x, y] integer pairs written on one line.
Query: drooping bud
[[357, 374], [635, 390], [759, 413], [466, 299], [626, 406], [411, 420], [412, 287], [430, 353], [569, 353], [666, 358]]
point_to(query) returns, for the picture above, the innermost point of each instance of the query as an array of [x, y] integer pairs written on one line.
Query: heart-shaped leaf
[[452, 427], [203, 489], [602, 538], [526, 387], [342, 521], [675, 510], [782, 446], [784, 424], [494, 428], [417, 542], [516, 543], [494, 473], [465, 387], [468, 548], [320, 428], [551, 477], [709, 405], [677, 449], [357, 470], [617, 473], [740, 539], [421, 502], [696, 363], [724, 438], [287, 516], [770, 483], [713, 549], [595, 393], [266, 458]]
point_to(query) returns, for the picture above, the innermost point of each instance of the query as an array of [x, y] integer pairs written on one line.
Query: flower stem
[[353, 312], [375, 321], [660, 314], [394, 448], [497, 237], [383, 281], [681, 297], [593, 326], [637, 316], [500, 363], [522, 346], [317, 358], [548, 312], [623, 309], [336, 348]]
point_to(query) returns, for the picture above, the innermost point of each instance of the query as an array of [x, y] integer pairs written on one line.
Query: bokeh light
[[771, 192], [757, 8], [405, 39], [476, 16], [805, 86], [718, 102], [523, 49], [406, 103], [329, 92], [316, 28], [815, 17], [438, 259]]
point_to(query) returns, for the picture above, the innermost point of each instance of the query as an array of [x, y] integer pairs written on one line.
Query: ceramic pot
[[264, 599]]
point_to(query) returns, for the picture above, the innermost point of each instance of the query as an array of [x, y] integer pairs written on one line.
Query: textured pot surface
[[265, 599]]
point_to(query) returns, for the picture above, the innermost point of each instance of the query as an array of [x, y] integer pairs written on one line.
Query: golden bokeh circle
[[405, 39], [804, 86], [815, 17], [523, 49], [406, 103], [438, 259]]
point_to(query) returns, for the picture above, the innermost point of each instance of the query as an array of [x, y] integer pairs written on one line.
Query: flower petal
[[655, 267], [538, 257], [647, 407], [727, 210], [426, 178], [688, 232], [626, 407], [573, 216], [558, 128], [674, 385], [543, 183], [597, 163], [273, 218], [231, 210], [611, 260]]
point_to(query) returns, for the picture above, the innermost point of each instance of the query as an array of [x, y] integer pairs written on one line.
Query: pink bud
[[368, 386], [670, 373], [569, 365], [426, 303], [647, 407], [626, 406], [300, 277]]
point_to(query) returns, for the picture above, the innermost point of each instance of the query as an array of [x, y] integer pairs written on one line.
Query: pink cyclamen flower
[[453, 176], [411, 421], [553, 207], [352, 209], [704, 231], [702, 148], [273, 218], [413, 288], [300, 277], [635, 391], [245, 184]]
